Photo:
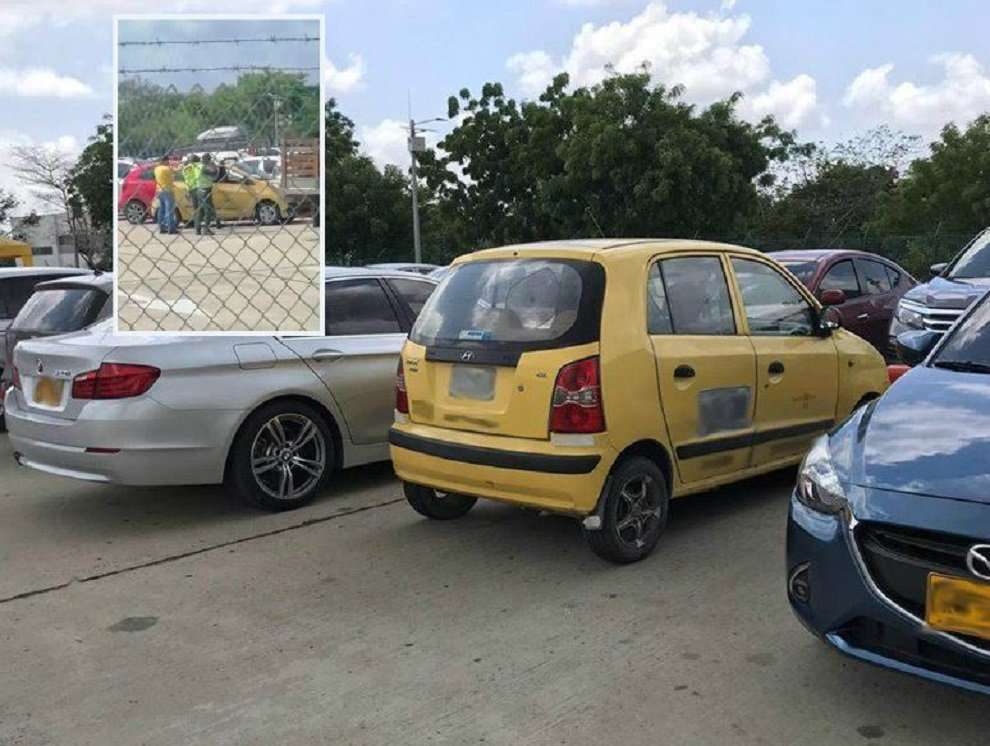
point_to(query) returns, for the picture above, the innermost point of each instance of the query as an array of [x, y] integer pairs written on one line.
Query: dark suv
[[938, 303]]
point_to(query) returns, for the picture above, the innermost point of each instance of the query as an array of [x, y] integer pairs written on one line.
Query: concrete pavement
[[177, 616]]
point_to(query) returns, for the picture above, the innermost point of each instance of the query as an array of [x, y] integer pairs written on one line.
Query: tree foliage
[[621, 158], [91, 178]]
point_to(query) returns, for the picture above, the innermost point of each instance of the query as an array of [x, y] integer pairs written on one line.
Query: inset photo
[[219, 175]]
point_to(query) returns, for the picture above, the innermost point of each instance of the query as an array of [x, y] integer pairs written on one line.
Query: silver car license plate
[[472, 382]]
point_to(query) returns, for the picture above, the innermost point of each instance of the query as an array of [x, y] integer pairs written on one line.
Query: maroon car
[[868, 286]]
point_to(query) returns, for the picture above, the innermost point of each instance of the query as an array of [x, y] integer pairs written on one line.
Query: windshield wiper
[[963, 366]]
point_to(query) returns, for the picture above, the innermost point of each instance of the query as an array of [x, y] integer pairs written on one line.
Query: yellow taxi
[[601, 378], [239, 196]]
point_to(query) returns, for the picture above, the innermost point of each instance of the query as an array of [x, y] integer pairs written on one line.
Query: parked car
[[530, 379], [271, 417], [420, 269], [938, 303], [238, 196], [137, 192], [16, 286], [888, 542], [863, 288], [56, 307]]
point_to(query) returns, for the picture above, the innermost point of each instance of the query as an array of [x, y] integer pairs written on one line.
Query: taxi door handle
[[327, 356], [684, 371], [776, 368]]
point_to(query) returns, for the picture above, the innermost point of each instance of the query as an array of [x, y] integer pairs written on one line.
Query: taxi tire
[[426, 502], [605, 541]]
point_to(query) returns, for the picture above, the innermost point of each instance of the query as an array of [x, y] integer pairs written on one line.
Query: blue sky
[[830, 68]]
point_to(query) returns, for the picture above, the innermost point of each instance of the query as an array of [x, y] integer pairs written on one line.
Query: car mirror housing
[[832, 297], [914, 346], [936, 270]]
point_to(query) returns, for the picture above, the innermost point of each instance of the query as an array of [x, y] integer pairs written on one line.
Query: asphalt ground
[[245, 277], [179, 616]]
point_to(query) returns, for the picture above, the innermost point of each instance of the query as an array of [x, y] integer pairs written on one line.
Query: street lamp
[[417, 144]]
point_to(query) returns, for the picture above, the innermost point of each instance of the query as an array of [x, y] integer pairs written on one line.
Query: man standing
[[205, 214], [165, 186], [190, 175]]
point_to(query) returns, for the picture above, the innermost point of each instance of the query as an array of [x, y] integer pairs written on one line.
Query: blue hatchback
[[888, 541]]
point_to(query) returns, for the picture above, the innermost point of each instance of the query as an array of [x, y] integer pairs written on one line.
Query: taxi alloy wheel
[[135, 212], [634, 513], [268, 213], [440, 506]]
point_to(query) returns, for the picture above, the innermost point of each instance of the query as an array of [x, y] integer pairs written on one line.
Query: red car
[[137, 192], [863, 288]]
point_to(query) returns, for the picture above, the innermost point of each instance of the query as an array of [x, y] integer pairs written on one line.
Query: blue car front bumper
[[833, 593]]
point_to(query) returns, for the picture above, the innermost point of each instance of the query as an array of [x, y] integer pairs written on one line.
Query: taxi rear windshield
[[522, 304]]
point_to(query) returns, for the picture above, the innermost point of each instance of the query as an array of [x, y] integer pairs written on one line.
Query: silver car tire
[[282, 457]]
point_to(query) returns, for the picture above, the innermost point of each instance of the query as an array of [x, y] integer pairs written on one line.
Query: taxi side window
[[689, 295], [773, 306]]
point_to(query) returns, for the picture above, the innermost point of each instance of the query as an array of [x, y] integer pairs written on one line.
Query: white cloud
[[41, 82], [706, 53], [960, 95], [385, 142], [792, 103], [344, 79]]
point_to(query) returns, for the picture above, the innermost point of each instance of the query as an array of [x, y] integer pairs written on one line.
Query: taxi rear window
[[521, 304]]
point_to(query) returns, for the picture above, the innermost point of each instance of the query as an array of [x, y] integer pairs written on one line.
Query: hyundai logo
[[978, 561], [40, 367], [467, 357]]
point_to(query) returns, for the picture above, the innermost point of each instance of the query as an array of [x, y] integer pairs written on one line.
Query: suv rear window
[[520, 304], [60, 310]]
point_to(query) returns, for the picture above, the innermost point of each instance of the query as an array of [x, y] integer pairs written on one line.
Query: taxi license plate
[[958, 605], [48, 392], [472, 382]]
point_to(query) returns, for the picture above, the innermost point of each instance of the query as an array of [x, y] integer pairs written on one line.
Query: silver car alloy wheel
[[267, 213], [288, 456]]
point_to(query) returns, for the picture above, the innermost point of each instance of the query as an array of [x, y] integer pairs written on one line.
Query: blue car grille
[[900, 559]]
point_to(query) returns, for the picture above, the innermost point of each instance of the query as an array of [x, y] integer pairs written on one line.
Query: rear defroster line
[[202, 550]]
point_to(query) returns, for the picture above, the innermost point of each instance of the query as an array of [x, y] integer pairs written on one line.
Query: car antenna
[[591, 215]]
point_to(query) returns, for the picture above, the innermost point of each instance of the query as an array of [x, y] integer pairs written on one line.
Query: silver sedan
[[271, 417]]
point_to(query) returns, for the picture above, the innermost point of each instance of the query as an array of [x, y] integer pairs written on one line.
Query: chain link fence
[[218, 171]]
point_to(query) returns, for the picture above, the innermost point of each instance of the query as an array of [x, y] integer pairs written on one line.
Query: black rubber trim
[[734, 442], [494, 456]]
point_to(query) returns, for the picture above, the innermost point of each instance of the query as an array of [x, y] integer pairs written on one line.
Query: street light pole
[[417, 246]]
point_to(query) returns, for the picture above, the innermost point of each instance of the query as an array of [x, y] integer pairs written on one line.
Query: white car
[[271, 417]]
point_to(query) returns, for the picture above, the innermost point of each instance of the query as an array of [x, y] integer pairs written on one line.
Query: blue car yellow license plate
[[958, 605]]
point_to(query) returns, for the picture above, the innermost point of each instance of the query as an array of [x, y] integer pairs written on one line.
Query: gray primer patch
[[871, 731], [134, 624], [724, 409]]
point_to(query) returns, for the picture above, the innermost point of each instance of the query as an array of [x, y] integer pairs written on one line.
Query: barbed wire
[[195, 42], [228, 68]]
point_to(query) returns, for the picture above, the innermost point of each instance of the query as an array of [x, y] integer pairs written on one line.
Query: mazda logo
[[467, 357], [978, 561]]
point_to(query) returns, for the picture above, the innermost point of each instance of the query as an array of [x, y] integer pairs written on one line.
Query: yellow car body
[[239, 197], [785, 389]]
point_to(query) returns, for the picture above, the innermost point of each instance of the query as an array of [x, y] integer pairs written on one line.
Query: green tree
[[949, 190], [8, 203], [91, 178], [621, 158]]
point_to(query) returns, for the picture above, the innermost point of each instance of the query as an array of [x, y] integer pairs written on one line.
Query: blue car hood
[[941, 292], [928, 435]]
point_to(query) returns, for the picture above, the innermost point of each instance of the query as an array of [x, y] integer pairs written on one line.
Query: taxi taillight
[[401, 398], [577, 399]]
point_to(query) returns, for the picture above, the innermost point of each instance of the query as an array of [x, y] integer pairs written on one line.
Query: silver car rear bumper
[[152, 444]]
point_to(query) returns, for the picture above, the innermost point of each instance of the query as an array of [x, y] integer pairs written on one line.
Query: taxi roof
[[602, 248]]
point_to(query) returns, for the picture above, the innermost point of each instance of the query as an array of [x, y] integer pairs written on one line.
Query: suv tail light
[[114, 381], [577, 399], [401, 399]]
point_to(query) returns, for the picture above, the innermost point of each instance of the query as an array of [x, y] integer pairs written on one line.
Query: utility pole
[[417, 144]]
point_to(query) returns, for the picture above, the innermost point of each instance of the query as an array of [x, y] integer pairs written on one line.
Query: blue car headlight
[[818, 484], [910, 315]]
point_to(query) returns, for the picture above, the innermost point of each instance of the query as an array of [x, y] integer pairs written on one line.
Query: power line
[[229, 68], [251, 40]]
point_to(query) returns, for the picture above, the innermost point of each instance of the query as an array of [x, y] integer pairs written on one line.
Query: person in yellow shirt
[[165, 186]]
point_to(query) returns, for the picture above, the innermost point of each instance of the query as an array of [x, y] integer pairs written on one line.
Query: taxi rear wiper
[[963, 366]]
